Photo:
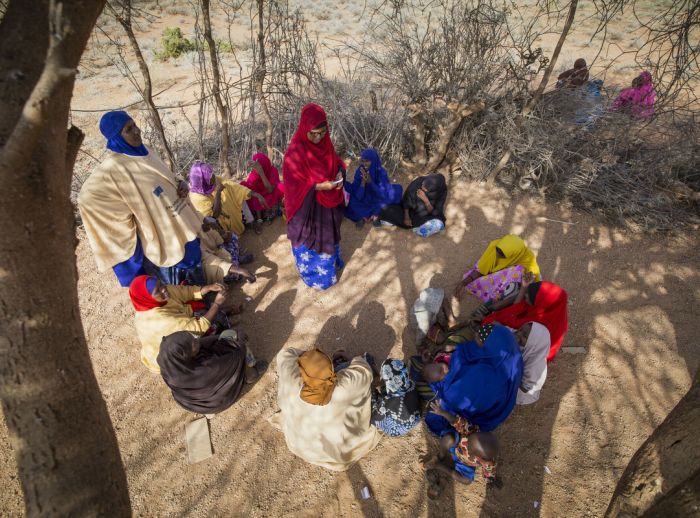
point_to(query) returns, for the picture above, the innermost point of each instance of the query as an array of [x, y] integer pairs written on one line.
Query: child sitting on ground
[[464, 450]]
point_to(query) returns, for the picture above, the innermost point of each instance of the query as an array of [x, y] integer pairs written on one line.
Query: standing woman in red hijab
[[313, 177]]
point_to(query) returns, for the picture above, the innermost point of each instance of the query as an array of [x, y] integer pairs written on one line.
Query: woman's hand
[[424, 198], [435, 408], [220, 298], [528, 278], [366, 178], [260, 198], [326, 186], [213, 287]]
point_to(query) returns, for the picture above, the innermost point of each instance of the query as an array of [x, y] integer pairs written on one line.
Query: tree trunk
[[67, 454], [503, 162], [663, 473], [459, 113], [216, 87], [260, 80], [124, 20]]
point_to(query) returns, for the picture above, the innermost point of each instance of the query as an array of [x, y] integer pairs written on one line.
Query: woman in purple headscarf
[[637, 100]]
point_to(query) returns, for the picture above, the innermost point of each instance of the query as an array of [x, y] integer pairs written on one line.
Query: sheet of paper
[[198, 441]]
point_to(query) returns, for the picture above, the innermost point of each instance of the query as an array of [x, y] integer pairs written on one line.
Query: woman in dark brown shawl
[[206, 374]]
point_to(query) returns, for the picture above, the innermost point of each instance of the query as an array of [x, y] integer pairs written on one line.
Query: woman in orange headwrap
[[325, 415]]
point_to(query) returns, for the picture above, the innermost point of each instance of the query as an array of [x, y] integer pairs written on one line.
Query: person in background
[[637, 100], [221, 199], [574, 77], [422, 207], [370, 190], [264, 180], [313, 176], [136, 214]]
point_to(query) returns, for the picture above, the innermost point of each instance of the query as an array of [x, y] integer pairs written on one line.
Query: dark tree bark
[[662, 477], [216, 88], [67, 454], [123, 16]]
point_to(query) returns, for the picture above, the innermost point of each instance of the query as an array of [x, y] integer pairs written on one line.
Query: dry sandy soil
[[633, 307]]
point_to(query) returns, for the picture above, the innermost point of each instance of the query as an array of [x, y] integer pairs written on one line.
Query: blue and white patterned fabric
[[396, 409], [430, 227], [318, 270]]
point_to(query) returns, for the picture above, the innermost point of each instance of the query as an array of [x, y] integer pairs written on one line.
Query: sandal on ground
[[257, 226], [260, 368]]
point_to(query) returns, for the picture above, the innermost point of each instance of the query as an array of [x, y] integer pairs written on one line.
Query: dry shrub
[[640, 174]]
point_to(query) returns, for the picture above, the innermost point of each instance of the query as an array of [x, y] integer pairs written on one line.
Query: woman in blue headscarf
[[136, 214], [480, 383], [370, 190]]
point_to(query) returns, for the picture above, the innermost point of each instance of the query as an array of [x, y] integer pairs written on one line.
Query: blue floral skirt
[[318, 270]]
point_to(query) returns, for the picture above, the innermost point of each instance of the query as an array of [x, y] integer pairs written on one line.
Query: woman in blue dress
[[370, 190]]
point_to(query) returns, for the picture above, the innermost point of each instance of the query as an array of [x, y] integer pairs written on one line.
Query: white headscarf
[[534, 364]]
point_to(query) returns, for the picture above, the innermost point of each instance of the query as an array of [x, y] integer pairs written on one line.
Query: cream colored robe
[[154, 324], [333, 436], [232, 198], [215, 261], [128, 196]]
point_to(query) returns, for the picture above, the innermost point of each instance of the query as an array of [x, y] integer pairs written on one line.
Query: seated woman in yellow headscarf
[[504, 262], [221, 199], [324, 414]]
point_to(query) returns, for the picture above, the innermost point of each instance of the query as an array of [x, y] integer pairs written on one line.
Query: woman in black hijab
[[423, 200], [206, 374]]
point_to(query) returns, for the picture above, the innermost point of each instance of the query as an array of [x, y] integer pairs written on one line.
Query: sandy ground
[[633, 307]]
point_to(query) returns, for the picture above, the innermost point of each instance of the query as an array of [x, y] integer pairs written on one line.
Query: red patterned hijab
[[140, 293]]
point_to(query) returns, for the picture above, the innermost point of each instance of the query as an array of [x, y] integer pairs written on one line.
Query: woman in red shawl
[[542, 302], [313, 177], [265, 180]]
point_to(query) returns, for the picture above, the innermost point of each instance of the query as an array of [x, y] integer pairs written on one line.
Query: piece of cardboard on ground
[[198, 440]]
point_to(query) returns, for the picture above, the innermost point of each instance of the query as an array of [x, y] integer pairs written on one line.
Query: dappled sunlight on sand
[[631, 309]]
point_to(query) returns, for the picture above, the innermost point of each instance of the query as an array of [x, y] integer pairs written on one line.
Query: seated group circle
[[175, 245]]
